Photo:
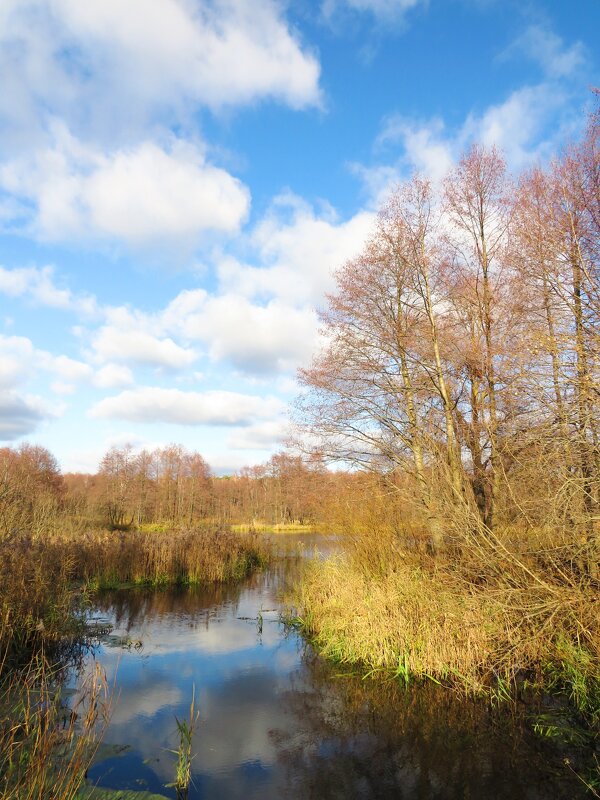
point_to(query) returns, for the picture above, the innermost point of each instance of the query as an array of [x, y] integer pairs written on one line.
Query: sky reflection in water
[[275, 721]]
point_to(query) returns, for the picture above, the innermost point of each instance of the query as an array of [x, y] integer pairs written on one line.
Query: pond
[[276, 721]]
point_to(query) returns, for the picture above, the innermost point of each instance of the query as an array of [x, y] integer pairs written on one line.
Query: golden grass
[[256, 526], [479, 616], [405, 621]]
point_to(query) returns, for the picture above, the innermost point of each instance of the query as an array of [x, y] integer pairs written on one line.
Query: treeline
[[166, 487], [463, 348]]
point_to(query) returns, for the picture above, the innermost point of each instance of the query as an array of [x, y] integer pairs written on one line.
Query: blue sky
[[180, 178]]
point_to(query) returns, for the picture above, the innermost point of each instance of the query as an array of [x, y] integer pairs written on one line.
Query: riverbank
[[44, 582], [489, 626]]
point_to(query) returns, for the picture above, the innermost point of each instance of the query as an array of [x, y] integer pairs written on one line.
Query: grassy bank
[[421, 623], [493, 618]]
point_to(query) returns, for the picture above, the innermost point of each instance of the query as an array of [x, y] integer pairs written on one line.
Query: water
[[276, 721]]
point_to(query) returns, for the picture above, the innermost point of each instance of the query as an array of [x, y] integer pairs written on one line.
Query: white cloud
[[296, 252], [258, 339], [153, 404], [113, 376], [384, 10], [21, 361], [133, 345], [542, 45], [425, 147], [519, 125], [217, 53], [139, 195], [84, 83], [149, 193], [262, 436], [261, 319], [226, 462], [16, 356], [63, 388], [37, 284], [109, 66], [69, 369], [526, 127], [303, 249]]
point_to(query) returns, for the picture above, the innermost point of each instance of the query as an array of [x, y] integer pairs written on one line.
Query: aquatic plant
[[183, 766]]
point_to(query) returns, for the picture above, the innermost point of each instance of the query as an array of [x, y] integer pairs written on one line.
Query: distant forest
[[170, 486]]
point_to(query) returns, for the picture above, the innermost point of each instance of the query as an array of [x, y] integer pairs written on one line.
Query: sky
[[179, 180]]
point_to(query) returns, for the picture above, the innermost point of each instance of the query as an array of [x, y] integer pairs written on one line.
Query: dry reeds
[[46, 746], [43, 583]]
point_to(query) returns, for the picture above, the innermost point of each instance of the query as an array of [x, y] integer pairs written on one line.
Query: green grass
[[183, 765]]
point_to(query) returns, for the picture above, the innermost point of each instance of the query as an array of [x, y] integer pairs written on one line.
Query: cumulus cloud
[[68, 369], [21, 361], [38, 285], [425, 147], [139, 195], [302, 248], [111, 343], [108, 66], [150, 193], [261, 317], [84, 83], [262, 436], [254, 338], [63, 388], [113, 376], [16, 357], [19, 415], [153, 404], [519, 125]]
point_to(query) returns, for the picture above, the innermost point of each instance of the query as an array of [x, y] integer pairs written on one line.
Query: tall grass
[[493, 612], [47, 745], [108, 559]]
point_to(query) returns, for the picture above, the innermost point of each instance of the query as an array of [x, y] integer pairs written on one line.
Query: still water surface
[[276, 721]]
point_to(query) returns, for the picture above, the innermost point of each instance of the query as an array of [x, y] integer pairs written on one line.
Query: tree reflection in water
[[375, 739]]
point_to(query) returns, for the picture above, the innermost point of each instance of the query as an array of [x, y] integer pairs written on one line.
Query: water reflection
[[275, 721], [368, 739]]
